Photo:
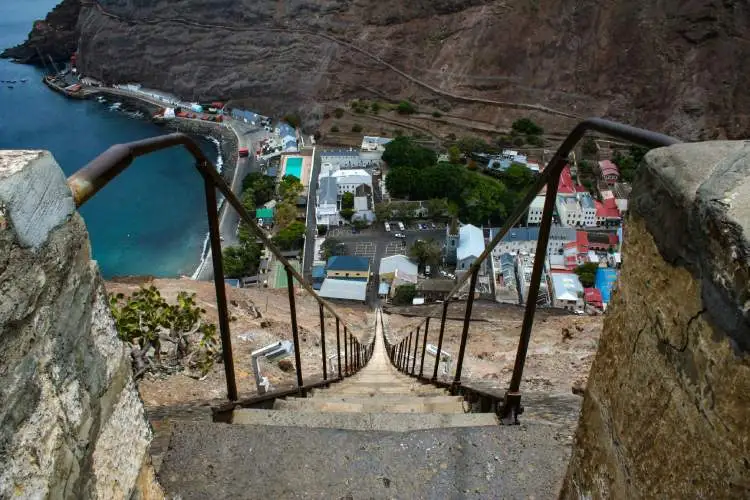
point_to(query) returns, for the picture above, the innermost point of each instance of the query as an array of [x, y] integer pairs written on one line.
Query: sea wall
[[227, 139], [666, 413], [71, 422]]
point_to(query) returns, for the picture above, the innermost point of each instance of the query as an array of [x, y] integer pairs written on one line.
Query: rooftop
[[328, 191], [343, 289], [566, 185], [566, 286], [400, 262], [470, 242], [348, 263], [608, 168], [587, 202], [354, 172]]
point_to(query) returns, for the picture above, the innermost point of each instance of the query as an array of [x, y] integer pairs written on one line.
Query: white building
[[344, 289], [567, 291], [470, 246], [524, 268], [327, 210], [522, 239], [588, 209], [536, 210], [401, 263], [569, 211], [349, 180]]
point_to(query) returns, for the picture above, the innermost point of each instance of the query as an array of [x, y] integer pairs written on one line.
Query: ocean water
[[149, 220]]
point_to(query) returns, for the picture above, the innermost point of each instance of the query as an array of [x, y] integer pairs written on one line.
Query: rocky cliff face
[[56, 36], [675, 66]]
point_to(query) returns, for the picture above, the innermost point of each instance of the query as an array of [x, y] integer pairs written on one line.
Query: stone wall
[[71, 421], [666, 412]]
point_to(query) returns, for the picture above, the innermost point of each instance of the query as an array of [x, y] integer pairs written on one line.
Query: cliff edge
[[56, 36]]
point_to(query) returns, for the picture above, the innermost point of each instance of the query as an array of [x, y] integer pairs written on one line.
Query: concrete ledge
[[34, 196], [695, 199]]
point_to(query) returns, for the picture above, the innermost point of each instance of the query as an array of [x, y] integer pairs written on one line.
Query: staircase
[[377, 434]]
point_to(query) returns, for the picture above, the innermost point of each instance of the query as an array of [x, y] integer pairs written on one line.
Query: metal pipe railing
[[90, 179], [549, 178]]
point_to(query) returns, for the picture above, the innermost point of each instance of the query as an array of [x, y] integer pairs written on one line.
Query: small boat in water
[[10, 86]]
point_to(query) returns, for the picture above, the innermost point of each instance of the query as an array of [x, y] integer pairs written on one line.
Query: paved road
[[312, 227]]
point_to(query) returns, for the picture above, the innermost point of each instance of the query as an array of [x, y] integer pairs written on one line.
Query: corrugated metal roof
[[343, 289], [328, 191], [470, 242], [348, 263], [264, 213], [400, 262], [566, 286]]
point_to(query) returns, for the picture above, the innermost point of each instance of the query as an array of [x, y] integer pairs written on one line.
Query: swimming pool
[[294, 167]]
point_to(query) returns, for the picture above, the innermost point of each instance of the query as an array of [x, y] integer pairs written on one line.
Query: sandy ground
[[248, 334], [553, 364]]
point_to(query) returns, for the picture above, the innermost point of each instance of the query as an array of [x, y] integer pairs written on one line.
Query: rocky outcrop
[[672, 66], [665, 413], [71, 422], [56, 36]]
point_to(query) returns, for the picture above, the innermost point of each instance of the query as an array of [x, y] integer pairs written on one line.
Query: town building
[[401, 263], [588, 209], [264, 216], [607, 213], [333, 182], [401, 278], [536, 210], [604, 281], [343, 289], [567, 291], [609, 172], [470, 246], [348, 267], [524, 239], [451, 241], [593, 297], [569, 211], [435, 289], [621, 192], [524, 268], [348, 181], [327, 210]]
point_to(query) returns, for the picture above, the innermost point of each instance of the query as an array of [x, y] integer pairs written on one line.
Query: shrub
[[437, 114], [335, 129], [357, 128], [338, 113], [406, 108]]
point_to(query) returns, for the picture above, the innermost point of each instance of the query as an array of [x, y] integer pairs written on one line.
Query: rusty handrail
[[90, 179], [550, 178]]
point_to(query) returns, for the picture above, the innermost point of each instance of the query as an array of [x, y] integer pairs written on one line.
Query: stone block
[[71, 422], [666, 412]]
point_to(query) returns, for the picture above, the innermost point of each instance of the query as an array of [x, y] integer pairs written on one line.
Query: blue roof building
[[348, 263], [605, 280]]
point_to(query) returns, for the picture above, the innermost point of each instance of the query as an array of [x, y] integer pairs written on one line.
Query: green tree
[[145, 318], [404, 152], [437, 208], [426, 252], [347, 214], [585, 168], [322, 229], [454, 154], [404, 295], [589, 147], [518, 177], [535, 140], [331, 247], [383, 212], [526, 127], [406, 108], [286, 213], [338, 113], [334, 129], [375, 107], [356, 128], [587, 273], [291, 237], [347, 200], [261, 185], [469, 144], [437, 114], [292, 119], [400, 182], [240, 261], [290, 187]]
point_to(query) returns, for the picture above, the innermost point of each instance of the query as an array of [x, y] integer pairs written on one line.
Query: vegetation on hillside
[[163, 337], [414, 174]]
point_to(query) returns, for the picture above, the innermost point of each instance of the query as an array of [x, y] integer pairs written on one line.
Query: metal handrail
[[550, 177], [90, 179]]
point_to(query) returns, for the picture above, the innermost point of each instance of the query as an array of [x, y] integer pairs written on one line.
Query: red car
[[244, 152]]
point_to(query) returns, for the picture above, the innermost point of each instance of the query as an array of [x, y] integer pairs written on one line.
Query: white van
[[387, 227], [401, 226]]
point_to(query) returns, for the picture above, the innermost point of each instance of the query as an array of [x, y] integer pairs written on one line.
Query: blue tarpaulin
[[605, 280]]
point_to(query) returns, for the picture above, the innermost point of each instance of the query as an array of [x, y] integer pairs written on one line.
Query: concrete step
[[364, 390], [394, 422], [242, 461], [440, 404]]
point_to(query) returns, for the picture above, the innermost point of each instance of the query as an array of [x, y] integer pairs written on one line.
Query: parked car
[[387, 227], [401, 226], [427, 270], [433, 225], [399, 235]]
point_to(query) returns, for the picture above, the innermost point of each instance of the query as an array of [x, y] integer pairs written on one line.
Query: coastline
[[221, 134]]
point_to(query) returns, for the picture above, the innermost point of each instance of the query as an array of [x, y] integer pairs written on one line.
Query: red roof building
[[609, 171], [593, 296], [607, 211], [566, 186], [582, 242]]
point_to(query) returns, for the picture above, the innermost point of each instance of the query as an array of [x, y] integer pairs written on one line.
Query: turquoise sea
[[149, 220]]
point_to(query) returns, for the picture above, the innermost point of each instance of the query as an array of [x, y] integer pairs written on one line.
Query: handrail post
[[416, 346], [440, 339], [408, 351], [338, 348], [346, 352], [512, 403], [221, 292], [323, 341], [400, 353], [424, 346], [467, 322], [295, 333]]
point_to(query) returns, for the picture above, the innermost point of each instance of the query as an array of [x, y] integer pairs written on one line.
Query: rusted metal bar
[[221, 291], [440, 339], [408, 352], [399, 365], [295, 332], [416, 346], [323, 340], [338, 348], [467, 322], [512, 409], [346, 351], [424, 346]]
